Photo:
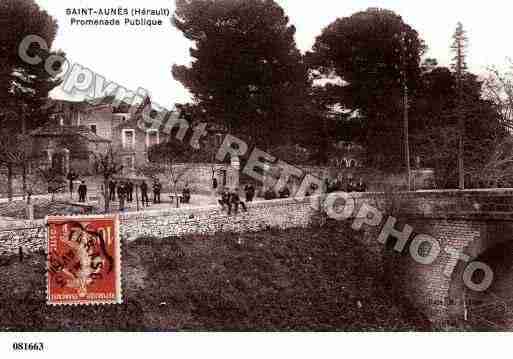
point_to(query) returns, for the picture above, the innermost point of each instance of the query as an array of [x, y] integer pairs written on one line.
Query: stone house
[[65, 147], [96, 126]]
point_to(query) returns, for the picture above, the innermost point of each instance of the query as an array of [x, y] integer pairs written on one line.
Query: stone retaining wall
[[288, 213], [28, 235], [468, 221], [174, 222]]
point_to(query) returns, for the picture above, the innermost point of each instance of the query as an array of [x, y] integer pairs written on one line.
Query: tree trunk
[[24, 179], [106, 195], [176, 196], [9, 182]]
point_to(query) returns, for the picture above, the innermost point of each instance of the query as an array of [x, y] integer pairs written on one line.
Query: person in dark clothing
[[225, 200], [186, 194], [72, 176], [335, 186], [121, 196], [351, 187], [327, 185], [112, 190], [157, 187], [269, 194], [214, 183], [361, 186], [235, 202], [250, 192], [285, 192], [144, 194], [82, 192], [130, 191]]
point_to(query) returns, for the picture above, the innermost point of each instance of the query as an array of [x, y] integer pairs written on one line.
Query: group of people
[[124, 190], [231, 201], [269, 194], [348, 185]]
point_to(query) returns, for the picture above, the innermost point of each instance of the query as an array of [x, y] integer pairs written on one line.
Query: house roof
[[133, 122], [57, 131]]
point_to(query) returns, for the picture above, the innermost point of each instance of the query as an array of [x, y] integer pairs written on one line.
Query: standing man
[[235, 201], [186, 194], [121, 196], [112, 190], [156, 191], [225, 200], [71, 177], [214, 183], [351, 187], [144, 194], [130, 191], [362, 187], [250, 192], [82, 192]]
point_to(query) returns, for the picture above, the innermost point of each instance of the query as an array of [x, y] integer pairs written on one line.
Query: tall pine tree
[[459, 65], [247, 73], [24, 87]]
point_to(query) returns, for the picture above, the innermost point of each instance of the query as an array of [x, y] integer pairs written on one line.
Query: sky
[[142, 57]]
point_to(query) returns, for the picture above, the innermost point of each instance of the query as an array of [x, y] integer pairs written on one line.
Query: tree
[[55, 182], [435, 128], [24, 87], [247, 73], [365, 50], [16, 151], [168, 159], [499, 168], [459, 65], [107, 165], [498, 88]]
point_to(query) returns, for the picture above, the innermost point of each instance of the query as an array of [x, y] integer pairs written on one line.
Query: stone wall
[[30, 236], [471, 222], [288, 213], [174, 222]]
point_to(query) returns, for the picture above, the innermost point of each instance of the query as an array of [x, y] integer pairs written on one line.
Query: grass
[[295, 280]]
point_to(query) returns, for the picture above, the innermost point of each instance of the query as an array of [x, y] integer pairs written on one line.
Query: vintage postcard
[[84, 260], [265, 165]]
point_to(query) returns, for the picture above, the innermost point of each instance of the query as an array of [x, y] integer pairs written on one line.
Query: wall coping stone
[[212, 208]]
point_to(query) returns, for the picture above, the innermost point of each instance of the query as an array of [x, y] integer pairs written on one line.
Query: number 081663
[[28, 346]]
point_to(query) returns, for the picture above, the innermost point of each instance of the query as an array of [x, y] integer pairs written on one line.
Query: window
[[152, 137], [93, 128], [122, 117], [128, 138], [129, 162]]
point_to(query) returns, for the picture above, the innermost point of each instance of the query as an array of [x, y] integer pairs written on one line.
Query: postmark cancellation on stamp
[[84, 260]]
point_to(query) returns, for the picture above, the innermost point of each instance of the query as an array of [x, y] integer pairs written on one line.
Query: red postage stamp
[[84, 260]]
